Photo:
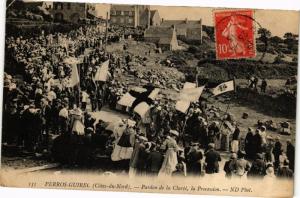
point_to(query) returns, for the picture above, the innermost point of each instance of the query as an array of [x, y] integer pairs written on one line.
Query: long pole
[[13, 1], [106, 30]]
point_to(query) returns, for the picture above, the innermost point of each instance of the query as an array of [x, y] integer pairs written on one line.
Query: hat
[[211, 145], [233, 156], [259, 156], [241, 153], [143, 138], [263, 128], [90, 129], [174, 132]]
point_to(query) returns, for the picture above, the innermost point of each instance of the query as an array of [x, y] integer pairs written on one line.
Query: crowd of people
[[167, 143]]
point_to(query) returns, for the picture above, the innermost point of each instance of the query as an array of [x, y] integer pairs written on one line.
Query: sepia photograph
[[149, 98]]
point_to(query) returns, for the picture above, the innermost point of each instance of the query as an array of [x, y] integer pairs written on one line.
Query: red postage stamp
[[234, 34]]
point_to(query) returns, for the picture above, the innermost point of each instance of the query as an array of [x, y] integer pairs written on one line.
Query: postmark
[[234, 34]]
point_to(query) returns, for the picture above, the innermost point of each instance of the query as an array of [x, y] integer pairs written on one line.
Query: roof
[[155, 31], [121, 7], [165, 40], [152, 13], [182, 23]]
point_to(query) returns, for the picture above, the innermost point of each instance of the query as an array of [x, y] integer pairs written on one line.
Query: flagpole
[[106, 31], [227, 108], [79, 88]]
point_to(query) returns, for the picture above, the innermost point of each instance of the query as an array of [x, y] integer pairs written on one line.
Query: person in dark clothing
[[89, 121], [257, 142], [258, 168], [154, 161], [142, 160], [264, 86], [249, 144], [230, 166], [285, 172], [290, 153], [212, 159], [179, 172], [194, 157], [235, 140], [277, 151]]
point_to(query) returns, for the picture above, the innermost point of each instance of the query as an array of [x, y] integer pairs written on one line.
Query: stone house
[[133, 16], [187, 30], [163, 37], [71, 12]]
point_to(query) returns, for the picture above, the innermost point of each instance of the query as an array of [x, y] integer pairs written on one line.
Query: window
[[121, 20], [118, 12], [130, 20], [122, 12], [69, 6], [126, 13], [130, 13], [59, 6]]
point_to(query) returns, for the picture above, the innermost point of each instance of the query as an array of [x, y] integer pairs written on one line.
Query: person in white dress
[[170, 160]]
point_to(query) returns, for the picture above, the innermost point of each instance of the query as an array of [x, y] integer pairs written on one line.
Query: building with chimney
[[72, 12], [133, 16], [187, 30]]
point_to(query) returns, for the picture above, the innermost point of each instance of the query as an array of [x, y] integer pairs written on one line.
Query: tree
[[275, 40], [290, 41], [264, 34]]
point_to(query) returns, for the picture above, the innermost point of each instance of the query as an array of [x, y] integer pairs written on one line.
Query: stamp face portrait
[[234, 34]]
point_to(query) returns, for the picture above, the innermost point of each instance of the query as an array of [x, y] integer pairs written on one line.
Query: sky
[[277, 21]]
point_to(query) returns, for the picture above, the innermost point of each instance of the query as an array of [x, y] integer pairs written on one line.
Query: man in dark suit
[[194, 157], [212, 159], [285, 172], [258, 168], [290, 153], [154, 161]]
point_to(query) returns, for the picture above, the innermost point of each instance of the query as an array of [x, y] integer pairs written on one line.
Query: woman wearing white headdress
[[170, 160], [77, 121]]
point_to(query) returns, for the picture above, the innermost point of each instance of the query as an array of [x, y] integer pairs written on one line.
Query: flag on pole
[[223, 88], [74, 79], [126, 100], [182, 106], [153, 95], [188, 85], [143, 109], [191, 94], [102, 72]]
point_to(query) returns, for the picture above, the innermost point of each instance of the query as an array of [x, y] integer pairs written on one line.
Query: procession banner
[[74, 78], [142, 109], [182, 106], [127, 100], [102, 72], [153, 95], [189, 85], [223, 88], [191, 94]]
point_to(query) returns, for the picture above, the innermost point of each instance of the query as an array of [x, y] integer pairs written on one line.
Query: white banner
[[182, 106], [127, 100], [102, 72], [223, 87], [191, 94]]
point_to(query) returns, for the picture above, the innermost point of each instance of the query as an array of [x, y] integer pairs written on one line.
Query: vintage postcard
[[141, 98]]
